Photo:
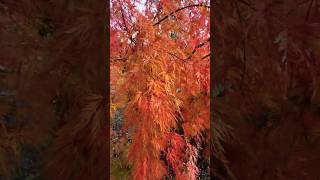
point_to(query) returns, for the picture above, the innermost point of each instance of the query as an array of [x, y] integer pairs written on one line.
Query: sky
[[140, 5]]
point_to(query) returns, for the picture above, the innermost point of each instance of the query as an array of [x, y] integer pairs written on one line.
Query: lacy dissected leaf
[[160, 75]]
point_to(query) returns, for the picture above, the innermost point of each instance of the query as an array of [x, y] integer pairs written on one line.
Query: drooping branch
[[126, 28], [175, 56], [200, 45], [193, 52], [193, 5], [197, 47], [208, 55], [118, 58]]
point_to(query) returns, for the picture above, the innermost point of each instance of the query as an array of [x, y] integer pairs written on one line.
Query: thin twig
[[197, 47], [175, 56], [118, 59], [126, 28], [194, 5], [208, 55]]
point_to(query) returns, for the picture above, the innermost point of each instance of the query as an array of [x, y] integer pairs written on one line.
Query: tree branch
[[194, 5], [208, 55], [126, 28], [194, 51], [197, 47], [175, 56], [118, 58]]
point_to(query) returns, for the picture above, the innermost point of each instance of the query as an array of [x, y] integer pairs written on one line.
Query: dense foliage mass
[[160, 83], [266, 74]]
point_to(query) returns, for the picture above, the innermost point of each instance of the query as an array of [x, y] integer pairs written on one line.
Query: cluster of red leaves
[[162, 64]]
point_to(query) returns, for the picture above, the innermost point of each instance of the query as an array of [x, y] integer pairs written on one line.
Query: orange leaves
[[148, 30], [151, 114], [162, 75], [178, 151], [197, 119], [175, 152], [159, 169], [152, 106], [145, 171]]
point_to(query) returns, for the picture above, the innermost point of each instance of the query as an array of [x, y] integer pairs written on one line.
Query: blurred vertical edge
[[212, 57]]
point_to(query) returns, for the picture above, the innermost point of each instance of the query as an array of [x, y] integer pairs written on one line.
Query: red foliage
[[163, 64]]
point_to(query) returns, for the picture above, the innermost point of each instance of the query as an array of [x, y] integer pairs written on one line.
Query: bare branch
[[175, 56], [126, 28], [208, 55], [193, 52], [118, 58], [197, 47], [194, 5]]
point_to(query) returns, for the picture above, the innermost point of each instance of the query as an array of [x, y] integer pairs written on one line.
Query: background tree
[[267, 76], [53, 88]]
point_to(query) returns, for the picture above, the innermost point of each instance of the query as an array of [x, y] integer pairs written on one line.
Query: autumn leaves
[[164, 121]]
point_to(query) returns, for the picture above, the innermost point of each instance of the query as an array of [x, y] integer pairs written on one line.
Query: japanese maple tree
[[160, 64]]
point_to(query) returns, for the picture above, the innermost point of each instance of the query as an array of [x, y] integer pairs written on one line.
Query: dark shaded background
[[266, 89], [53, 89]]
